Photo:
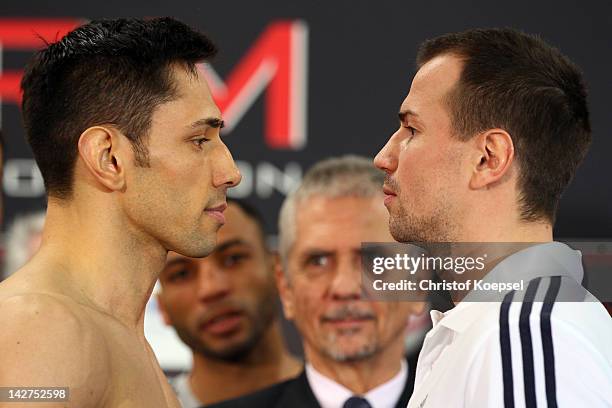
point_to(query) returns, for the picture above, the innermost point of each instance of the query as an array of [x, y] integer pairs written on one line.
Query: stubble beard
[[406, 227], [368, 349], [369, 345], [372, 346], [260, 322]]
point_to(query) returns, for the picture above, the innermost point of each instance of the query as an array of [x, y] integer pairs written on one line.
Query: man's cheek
[[303, 311]]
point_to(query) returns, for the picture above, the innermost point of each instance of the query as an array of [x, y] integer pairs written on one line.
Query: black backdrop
[[360, 60]]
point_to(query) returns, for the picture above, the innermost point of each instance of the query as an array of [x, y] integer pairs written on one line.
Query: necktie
[[356, 402]]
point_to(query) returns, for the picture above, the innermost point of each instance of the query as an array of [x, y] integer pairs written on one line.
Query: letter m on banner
[[26, 34], [277, 61]]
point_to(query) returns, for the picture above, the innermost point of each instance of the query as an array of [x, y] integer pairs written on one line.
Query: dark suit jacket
[[296, 393]]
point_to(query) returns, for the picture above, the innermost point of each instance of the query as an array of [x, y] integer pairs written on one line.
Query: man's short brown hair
[[517, 82]]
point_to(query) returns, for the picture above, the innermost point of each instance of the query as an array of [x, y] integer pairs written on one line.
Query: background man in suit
[[223, 307], [354, 347]]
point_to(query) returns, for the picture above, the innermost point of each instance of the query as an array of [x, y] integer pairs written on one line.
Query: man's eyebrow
[[211, 121], [402, 114], [316, 252], [176, 261], [231, 243]]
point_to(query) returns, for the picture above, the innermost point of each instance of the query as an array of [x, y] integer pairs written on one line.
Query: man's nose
[[346, 284], [213, 284], [226, 173], [386, 159]]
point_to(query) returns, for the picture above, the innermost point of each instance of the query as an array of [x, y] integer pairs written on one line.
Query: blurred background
[[300, 81]]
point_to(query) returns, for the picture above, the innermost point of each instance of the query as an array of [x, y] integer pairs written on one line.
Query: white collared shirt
[[182, 388], [515, 354], [330, 394]]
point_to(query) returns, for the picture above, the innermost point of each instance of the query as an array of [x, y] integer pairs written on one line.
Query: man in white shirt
[[491, 132], [354, 347]]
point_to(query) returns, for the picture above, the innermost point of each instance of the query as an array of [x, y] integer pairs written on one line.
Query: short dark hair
[[104, 72], [517, 82]]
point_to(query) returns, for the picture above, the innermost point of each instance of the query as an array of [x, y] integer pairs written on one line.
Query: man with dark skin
[[126, 135], [223, 308]]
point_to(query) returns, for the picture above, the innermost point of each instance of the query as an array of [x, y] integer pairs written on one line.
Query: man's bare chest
[[136, 378]]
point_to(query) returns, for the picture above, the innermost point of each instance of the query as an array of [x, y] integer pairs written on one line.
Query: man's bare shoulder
[[46, 341]]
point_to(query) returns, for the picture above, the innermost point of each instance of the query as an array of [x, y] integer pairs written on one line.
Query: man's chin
[[197, 249], [401, 233], [350, 347], [237, 351], [352, 353]]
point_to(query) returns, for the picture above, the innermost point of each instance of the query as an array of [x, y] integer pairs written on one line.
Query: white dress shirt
[[182, 388], [330, 394], [517, 354]]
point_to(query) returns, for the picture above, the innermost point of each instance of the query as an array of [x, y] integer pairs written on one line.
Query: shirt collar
[[183, 391], [461, 316], [386, 395], [541, 260], [436, 316], [331, 394]]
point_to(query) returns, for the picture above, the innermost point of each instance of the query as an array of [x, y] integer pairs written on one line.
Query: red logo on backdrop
[[277, 63], [25, 34]]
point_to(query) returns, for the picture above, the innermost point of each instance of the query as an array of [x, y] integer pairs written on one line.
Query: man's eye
[[411, 130], [233, 260], [180, 275], [317, 260], [200, 142]]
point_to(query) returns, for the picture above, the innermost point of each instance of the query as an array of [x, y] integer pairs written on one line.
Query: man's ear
[[99, 149], [285, 291], [495, 154]]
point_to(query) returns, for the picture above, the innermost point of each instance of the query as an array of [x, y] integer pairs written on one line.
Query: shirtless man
[[126, 135]]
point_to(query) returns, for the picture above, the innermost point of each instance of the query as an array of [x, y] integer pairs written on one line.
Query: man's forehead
[[323, 223], [336, 246], [192, 85], [441, 67], [434, 79], [173, 256]]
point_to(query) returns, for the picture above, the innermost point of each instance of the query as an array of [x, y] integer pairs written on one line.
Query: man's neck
[[96, 260], [269, 362], [485, 222], [497, 241], [363, 375]]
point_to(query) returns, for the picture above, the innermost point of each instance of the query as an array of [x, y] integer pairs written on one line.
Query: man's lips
[[348, 321], [223, 323], [389, 194], [217, 212], [388, 191]]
